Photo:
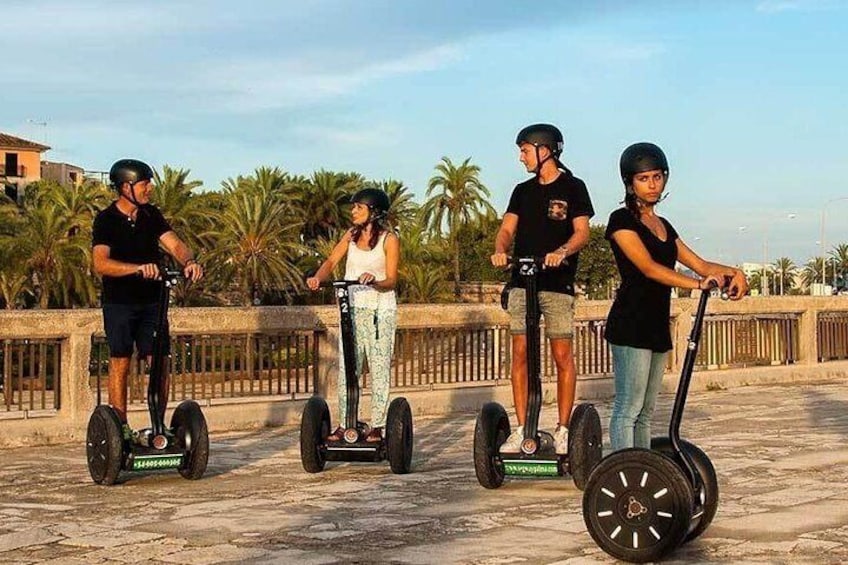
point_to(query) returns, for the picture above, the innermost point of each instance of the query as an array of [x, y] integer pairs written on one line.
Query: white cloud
[[776, 6], [251, 85]]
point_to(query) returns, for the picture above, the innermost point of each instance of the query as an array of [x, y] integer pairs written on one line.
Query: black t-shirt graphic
[[130, 242], [640, 314], [545, 222]]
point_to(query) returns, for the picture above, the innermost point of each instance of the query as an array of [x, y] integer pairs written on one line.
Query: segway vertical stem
[[157, 360], [528, 268], [348, 351], [683, 392]]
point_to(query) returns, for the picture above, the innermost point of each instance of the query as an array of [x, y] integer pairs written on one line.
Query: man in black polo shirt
[[548, 216], [126, 241]]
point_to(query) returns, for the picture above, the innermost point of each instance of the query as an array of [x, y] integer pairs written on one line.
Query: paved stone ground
[[780, 453]]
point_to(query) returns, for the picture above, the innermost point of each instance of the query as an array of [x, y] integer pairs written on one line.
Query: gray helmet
[[641, 157], [376, 200], [539, 135], [129, 170]]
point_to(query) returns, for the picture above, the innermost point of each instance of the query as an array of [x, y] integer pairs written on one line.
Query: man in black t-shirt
[[548, 216], [126, 241]]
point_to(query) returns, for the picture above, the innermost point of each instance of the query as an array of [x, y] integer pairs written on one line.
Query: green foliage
[[476, 244], [596, 270], [261, 233], [456, 197]]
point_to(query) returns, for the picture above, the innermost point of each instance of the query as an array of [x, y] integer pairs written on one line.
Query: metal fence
[[31, 374], [743, 341], [832, 336], [223, 366], [286, 363]]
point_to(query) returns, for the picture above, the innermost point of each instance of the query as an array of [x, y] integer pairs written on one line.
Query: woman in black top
[[646, 249]]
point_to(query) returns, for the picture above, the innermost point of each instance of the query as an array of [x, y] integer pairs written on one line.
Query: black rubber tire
[[642, 481], [585, 443], [399, 436], [708, 476], [491, 430], [104, 445], [314, 428], [189, 427]]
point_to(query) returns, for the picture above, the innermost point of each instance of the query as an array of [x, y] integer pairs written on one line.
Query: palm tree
[[456, 196], [422, 283], [784, 272], [812, 272], [403, 208], [256, 243], [13, 285], [79, 203], [174, 195], [54, 253], [839, 254], [323, 198]]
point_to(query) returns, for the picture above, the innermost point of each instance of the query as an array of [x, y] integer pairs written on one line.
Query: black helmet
[[641, 157], [538, 135], [376, 200], [129, 170]]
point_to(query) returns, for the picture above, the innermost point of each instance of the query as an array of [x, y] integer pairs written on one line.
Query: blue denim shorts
[[132, 325]]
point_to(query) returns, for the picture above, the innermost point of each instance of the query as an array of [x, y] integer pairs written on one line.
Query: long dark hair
[[378, 226], [632, 203]]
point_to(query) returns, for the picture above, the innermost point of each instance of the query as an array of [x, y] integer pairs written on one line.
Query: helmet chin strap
[[131, 196], [539, 161]]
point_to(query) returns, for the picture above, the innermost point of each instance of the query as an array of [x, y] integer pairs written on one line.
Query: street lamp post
[[823, 246]]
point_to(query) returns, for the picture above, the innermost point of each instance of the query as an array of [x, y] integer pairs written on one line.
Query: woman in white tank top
[[372, 252]]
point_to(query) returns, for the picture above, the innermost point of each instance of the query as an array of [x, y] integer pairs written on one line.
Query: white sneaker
[[561, 440], [513, 442]]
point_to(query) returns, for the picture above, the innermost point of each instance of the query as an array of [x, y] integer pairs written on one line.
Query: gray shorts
[[557, 309]]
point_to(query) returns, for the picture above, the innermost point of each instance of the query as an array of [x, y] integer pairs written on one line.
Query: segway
[[316, 449], [640, 504], [184, 446], [537, 457]]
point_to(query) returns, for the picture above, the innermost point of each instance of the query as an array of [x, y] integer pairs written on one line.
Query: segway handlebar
[[526, 261]]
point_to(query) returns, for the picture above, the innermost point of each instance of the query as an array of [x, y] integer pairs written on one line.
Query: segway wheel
[[490, 431], [189, 426], [585, 443], [104, 445], [399, 436], [708, 477], [637, 505], [314, 427]]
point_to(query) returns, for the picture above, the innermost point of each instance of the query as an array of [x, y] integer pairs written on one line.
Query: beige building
[[20, 164], [62, 173]]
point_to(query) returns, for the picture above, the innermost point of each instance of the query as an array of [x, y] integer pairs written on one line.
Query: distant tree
[[812, 272], [596, 270], [839, 263], [256, 243], [323, 200], [456, 197], [175, 197], [784, 275], [421, 283], [403, 208], [476, 245]]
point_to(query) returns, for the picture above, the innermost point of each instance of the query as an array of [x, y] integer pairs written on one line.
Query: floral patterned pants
[[375, 340]]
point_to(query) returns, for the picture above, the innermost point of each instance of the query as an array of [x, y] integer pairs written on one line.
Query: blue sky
[[746, 97]]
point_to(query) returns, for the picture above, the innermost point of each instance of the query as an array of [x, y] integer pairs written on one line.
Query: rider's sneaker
[[513, 442], [561, 440], [127, 432]]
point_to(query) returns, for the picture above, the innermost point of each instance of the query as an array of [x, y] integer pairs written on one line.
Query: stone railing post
[[76, 397], [808, 336]]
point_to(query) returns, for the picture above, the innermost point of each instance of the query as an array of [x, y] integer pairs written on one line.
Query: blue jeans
[[638, 379]]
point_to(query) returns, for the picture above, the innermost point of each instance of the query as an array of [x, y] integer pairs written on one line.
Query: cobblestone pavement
[[780, 453]]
